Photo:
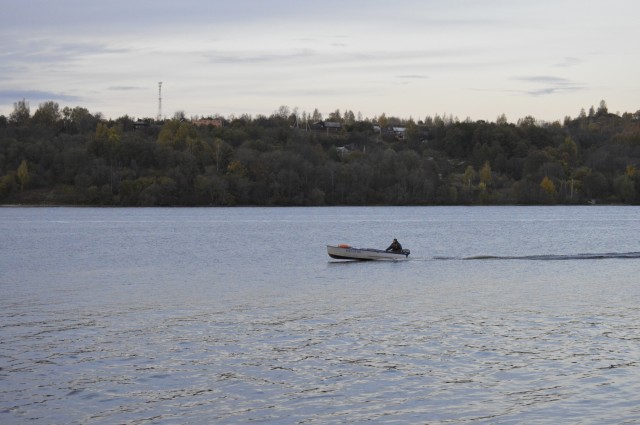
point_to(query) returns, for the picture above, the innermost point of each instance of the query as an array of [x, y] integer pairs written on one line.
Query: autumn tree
[[383, 121], [469, 175], [23, 174], [486, 174], [549, 189]]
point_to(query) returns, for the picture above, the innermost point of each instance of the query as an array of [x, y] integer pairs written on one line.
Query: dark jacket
[[395, 246]]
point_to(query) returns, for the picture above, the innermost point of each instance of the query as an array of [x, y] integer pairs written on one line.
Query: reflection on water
[[139, 316]]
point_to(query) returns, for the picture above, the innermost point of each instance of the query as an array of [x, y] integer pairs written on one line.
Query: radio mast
[[159, 117]]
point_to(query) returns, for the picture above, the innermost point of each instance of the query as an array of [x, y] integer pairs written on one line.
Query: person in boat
[[395, 246]]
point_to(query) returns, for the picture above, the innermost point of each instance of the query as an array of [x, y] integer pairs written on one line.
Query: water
[[186, 316]]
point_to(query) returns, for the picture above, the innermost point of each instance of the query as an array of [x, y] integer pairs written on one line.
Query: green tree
[[108, 142], [223, 154], [79, 120], [625, 188], [349, 117], [602, 109], [47, 115], [335, 116], [21, 113], [7, 184], [527, 121]]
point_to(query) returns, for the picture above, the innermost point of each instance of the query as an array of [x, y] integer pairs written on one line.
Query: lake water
[[504, 315]]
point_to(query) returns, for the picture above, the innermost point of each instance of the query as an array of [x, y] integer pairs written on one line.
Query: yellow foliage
[[548, 186], [23, 174], [485, 173], [236, 167]]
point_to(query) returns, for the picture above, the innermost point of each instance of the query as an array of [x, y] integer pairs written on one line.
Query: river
[[502, 315]]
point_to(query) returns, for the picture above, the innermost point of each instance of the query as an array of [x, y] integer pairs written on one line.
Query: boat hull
[[365, 254]]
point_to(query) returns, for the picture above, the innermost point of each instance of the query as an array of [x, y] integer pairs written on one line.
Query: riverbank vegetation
[[70, 156]]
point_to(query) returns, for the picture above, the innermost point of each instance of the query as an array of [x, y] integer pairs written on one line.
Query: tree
[[21, 113], [469, 175], [264, 161], [23, 174], [527, 121], [602, 109], [569, 149], [349, 117], [108, 142], [625, 188], [222, 155], [335, 116], [48, 114], [595, 185], [383, 121], [548, 186], [282, 112], [79, 120], [486, 174]]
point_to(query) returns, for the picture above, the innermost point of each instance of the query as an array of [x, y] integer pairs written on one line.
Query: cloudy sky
[[405, 58]]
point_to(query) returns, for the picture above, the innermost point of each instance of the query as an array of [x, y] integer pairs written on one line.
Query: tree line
[[69, 156]]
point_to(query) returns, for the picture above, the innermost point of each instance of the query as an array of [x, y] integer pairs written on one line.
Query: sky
[[474, 59]]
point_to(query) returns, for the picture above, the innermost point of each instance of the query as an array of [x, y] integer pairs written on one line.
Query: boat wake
[[551, 257]]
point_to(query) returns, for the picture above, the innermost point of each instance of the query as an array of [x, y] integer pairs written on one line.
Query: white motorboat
[[347, 252]]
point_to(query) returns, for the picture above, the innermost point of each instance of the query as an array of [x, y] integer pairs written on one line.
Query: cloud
[[568, 62], [413, 77], [14, 95], [126, 88], [251, 57], [545, 79], [550, 85], [42, 51]]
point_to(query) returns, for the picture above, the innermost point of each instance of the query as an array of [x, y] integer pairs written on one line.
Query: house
[[328, 126], [141, 124], [342, 150], [332, 126], [399, 132]]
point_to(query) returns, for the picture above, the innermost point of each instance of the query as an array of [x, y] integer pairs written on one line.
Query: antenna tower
[[159, 117]]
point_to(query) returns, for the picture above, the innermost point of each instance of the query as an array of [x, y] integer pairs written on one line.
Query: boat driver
[[395, 246]]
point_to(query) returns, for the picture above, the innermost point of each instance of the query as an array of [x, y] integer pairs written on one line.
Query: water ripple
[[117, 325]]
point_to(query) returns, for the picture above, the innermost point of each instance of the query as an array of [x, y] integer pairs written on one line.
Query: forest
[[70, 156]]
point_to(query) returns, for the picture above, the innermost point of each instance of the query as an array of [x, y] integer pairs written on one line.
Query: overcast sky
[[406, 58]]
